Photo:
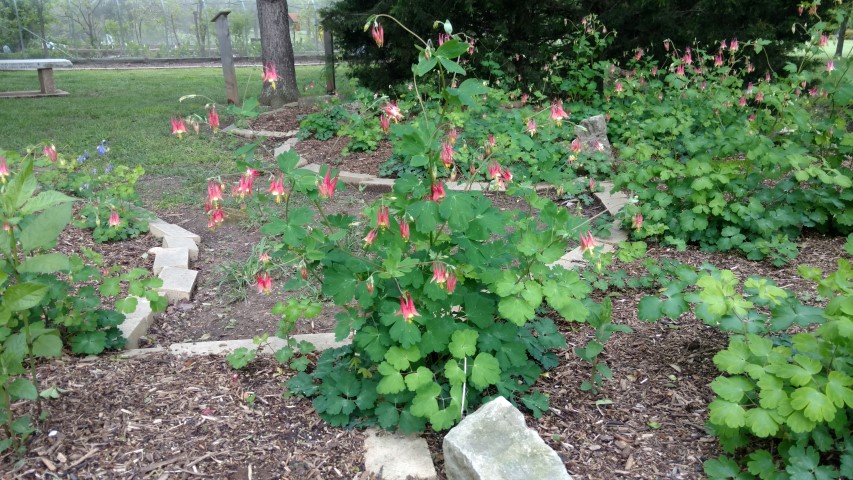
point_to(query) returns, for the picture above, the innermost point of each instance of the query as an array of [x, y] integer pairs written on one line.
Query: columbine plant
[[442, 293]]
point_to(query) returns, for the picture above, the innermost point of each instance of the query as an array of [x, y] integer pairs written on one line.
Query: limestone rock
[[592, 133], [494, 443]]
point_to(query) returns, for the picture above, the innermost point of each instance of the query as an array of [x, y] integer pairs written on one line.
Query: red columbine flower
[[369, 284], [557, 112], [277, 189], [4, 170], [407, 307], [637, 221], [471, 46], [370, 238], [587, 242], [759, 97], [327, 186], [733, 45], [439, 273], [214, 192], [830, 66], [270, 75], [378, 34], [264, 283], [638, 54], [679, 70], [303, 271], [451, 282], [524, 98], [800, 10], [178, 127], [494, 170], [218, 216], [576, 145], [114, 219], [213, 119], [718, 60], [385, 122], [244, 186], [447, 154], [531, 126], [393, 111], [404, 230], [666, 45], [437, 192], [591, 184], [382, 217], [50, 152], [264, 257], [506, 175], [742, 101], [618, 87], [823, 40], [452, 135]]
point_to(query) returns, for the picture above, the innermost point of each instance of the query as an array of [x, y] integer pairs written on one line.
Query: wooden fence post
[[330, 61], [228, 71]]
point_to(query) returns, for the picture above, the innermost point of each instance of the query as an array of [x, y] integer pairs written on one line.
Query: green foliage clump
[[50, 300], [729, 164], [795, 391]]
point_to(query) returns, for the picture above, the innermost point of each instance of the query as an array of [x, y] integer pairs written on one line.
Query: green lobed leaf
[[21, 388], [516, 310], [761, 422], [463, 343], [45, 227], [391, 382], [23, 296], [485, 371], [732, 389], [727, 413], [423, 376], [837, 389], [425, 402], [815, 405], [45, 263]]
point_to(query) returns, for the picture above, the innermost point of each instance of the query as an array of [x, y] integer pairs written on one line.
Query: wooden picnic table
[[45, 68]]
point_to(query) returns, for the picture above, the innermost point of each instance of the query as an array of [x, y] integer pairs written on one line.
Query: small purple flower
[[94, 171], [103, 148], [109, 168]]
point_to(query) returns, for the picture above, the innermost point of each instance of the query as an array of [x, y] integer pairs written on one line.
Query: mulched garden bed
[[160, 416]]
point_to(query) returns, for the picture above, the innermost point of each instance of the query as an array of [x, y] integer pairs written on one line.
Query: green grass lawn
[[130, 108]]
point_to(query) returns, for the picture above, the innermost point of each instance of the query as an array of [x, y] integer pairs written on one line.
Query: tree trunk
[[842, 31], [276, 48]]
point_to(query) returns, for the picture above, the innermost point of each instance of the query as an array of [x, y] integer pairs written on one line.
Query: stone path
[[388, 456]]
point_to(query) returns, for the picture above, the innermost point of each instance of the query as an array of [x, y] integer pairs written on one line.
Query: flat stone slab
[[178, 283], [392, 456], [321, 341], [182, 242], [494, 443], [161, 230], [136, 324], [613, 202], [575, 258], [617, 234], [170, 257], [34, 64]]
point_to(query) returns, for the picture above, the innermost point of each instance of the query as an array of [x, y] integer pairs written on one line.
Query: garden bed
[[145, 417]]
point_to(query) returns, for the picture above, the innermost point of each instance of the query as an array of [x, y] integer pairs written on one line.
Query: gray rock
[[592, 133], [494, 443]]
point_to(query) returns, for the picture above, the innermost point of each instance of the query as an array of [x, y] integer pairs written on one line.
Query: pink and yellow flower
[[587, 242], [378, 34], [437, 192], [382, 217], [327, 186], [439, 274], [830, 66], [637, 221], [447, 154], [557, 112], [452, 135], [451, 282], [531, 126], [213, 119], [393, 111], [277, 189], [244, 186], [385, 122], [405, 230], [407, 307], [4, 169], [50, 152], [370, 237], [270, 75], [214, 192], [178, 127], [264, 283], [115, 220]]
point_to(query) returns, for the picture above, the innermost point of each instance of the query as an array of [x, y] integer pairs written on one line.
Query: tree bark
[[276, 48], [842, 31]]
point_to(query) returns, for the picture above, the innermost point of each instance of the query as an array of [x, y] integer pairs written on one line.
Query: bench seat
[[45, 68]]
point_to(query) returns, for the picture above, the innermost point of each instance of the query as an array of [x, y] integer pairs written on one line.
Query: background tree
[[277, 49], [86, 14]]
